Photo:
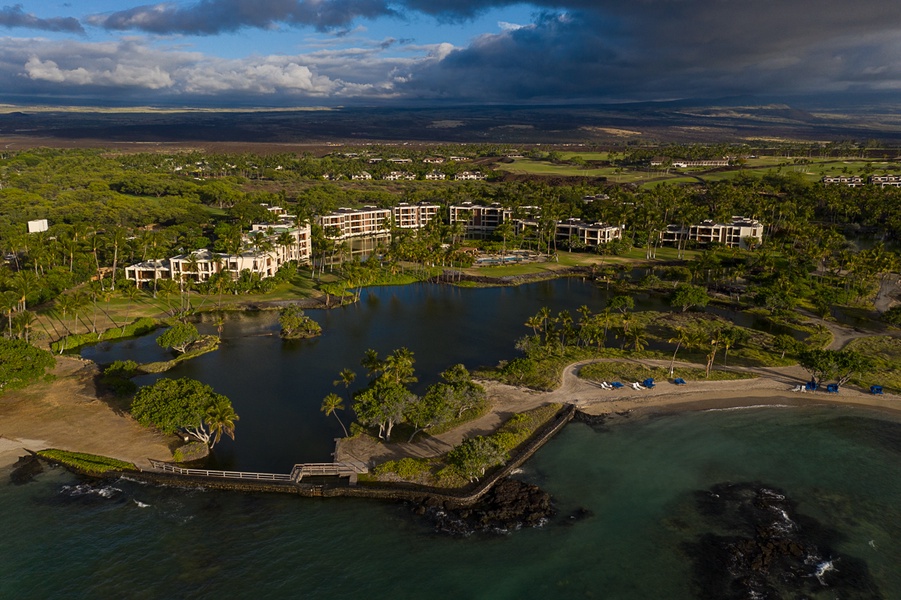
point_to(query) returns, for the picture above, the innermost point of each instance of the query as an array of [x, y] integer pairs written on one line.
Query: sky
[[291, 53]]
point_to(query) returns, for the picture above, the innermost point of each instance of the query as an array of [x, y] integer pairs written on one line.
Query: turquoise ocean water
[[64, 538]]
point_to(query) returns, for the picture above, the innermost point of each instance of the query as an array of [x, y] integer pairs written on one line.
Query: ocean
[[652, 507]]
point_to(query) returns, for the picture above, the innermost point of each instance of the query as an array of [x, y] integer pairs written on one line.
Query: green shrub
[[87, 463]]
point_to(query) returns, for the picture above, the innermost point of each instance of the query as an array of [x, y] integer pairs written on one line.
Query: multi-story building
[[148, 271], [479, 221], [886, 180], [351, 222], [265, 249], [847, 180], [435, 176], [399, 176], [414, 216], [589, 234], [685, 164], [469, 176], [729, 234]]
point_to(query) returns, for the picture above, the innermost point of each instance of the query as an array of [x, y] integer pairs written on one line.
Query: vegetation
[[473, 457], [834, 365], [615, 370], [884, 354], [86, 463], [117, 377], [185, 405], [22, 364], [179, 337], [296, 325]]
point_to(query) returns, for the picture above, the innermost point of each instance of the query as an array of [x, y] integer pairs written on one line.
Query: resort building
[[361, 176], [687, 164], [732, 234], [414, 216], [399, 176], [435, 176], [479, 221], [886, 180], [351, 222], [469, 176], [148, 271], [850, 181], [589, 234], [264, 250]]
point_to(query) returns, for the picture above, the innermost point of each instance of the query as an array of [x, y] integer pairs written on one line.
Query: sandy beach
[[68, 414], [772, 386]]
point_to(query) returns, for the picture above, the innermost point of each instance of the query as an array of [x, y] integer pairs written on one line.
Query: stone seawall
[[375, 490]]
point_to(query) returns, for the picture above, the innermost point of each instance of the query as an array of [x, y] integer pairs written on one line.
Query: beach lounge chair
[[679, 381], [810, 386], [638, 386], [832, 388], [798, 388], [876, 389], [616, 385], [606, 386], [648, 383]]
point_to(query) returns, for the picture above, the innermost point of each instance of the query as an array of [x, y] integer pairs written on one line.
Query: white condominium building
[[729, 234]]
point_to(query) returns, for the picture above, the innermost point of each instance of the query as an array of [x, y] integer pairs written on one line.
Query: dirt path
[[68, 414]]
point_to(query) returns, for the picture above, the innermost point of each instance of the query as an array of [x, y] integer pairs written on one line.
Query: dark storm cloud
[[210, 17], [655, 49], [14, 16]]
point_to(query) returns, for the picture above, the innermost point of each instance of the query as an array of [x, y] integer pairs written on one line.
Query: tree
[[783, 343], [432, 410], [220, 418], [682, 337], [840, 365], [295, 324], [330, 405], [21, 364], [382, 405], [474, 456], [179, 337], [174, 405], [686, 296]]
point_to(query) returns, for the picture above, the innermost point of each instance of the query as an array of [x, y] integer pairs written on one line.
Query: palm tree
[[346, 377], [220, 418], [682, 337], [330, 405], [639, 338]]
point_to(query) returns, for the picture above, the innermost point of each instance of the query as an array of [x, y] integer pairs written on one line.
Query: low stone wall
[[375, 490]]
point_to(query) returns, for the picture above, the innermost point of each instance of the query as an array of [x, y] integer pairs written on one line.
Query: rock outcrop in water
[[765, 549], [510, 505], [25, 469]]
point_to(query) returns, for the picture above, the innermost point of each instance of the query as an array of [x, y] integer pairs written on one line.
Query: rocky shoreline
[[508, 506]]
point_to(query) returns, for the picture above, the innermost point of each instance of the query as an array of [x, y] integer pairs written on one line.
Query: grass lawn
[[628, 372], [885, 351]]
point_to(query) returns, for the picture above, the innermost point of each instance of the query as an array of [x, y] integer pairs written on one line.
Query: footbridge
[[334, 469]]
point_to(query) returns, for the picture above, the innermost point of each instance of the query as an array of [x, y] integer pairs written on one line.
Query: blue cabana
[[832, 388], [617, 384], [876, 389], [679, 381], [648, 383], [811, 386]]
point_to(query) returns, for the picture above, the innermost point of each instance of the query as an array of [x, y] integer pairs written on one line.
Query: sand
[[771, 387], [69, 414]]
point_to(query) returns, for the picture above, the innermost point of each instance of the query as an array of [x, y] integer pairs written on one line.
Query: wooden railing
[[162, 466], [299, 471], [327, 470]]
